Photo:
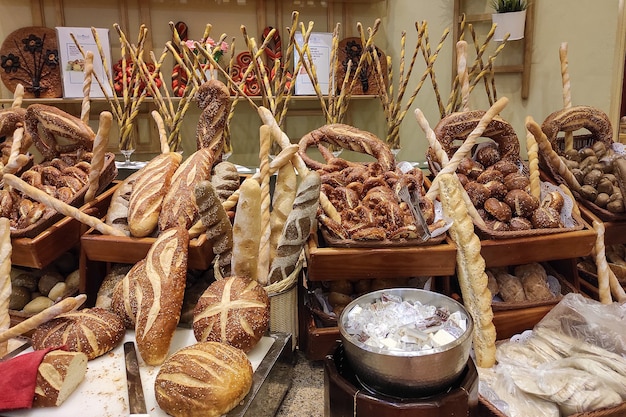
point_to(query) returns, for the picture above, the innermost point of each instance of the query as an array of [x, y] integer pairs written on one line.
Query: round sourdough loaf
[[93, 331], [206, 379], [233, 310]]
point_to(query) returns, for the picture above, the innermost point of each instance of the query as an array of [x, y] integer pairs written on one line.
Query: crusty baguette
[[282, 203], [247, 230], [214, 99], [124, 297], [178, 207], [160, 293], [218, 227], [117, 214], [470, 270], [5, 279], [58, 375], [148, 193], [297, 228], [93, 331]]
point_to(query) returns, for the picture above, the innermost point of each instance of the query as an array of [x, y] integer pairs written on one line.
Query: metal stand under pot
[[345, 396]]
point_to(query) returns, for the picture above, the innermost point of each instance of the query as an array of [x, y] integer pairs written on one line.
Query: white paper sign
[[320, 44], [72, 62]]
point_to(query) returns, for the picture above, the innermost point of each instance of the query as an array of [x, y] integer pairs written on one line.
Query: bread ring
[[578, 117], [347, 137], [457, 126]]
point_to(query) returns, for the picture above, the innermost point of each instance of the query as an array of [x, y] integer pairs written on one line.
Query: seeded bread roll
[[510, 287], [207, 379], [148, 193], [235, 311], [247, 230], [534, 279], [93, 331], [117, 214], [58, 375], [178, 205], [160, 291]]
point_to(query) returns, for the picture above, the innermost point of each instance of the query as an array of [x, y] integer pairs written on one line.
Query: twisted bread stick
[[551, 156], [533, 165], [99, 149], [5, 279], [264, 169], [604, 290], [470, 270]]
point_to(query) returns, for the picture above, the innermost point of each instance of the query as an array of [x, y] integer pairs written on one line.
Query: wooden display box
[[325, 263], [40, 251]]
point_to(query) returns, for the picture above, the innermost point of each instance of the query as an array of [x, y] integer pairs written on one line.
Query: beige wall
[[590, 27]]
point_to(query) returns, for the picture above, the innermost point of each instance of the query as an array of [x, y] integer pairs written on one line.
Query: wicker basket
[[485, 232], [284, 304]]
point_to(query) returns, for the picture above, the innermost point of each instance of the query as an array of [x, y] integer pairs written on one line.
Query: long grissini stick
[[533, 165], [467, 145], [461, 68], [99, 151], [18, 96], [263, 265], [551, 156], [604, 288], [63, 306], [86, 104], [6, 249], [567, 93], [60, 206], [165, 147]]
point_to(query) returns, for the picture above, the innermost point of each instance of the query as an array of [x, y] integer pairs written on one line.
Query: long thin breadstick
[[567, 191], [63, 306], [551, 156], [18, 96], [461, 68], [604, 289], [567, 93], [442, 156], [467, 145], [264, 169], [99, 151], [533, 165], [6, 250], [165, 147], [60, 206], [86, 105]]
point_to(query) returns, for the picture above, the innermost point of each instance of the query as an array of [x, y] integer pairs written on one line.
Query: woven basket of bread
[[497, 181], [590, 159], [366, 195]]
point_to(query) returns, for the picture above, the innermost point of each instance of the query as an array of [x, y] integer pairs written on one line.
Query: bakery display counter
[[326, 263], [104, 387], [57, 239]]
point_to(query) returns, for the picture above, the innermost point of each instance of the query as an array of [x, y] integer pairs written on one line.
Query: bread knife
[[136, 400], [16, 351]]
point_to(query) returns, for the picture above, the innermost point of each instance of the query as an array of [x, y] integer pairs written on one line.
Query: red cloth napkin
[[18, 378]]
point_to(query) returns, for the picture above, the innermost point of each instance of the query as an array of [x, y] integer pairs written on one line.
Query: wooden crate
[[326, 263], [40, 251]]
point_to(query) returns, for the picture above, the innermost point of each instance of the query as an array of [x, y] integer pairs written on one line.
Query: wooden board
[[325, 263]]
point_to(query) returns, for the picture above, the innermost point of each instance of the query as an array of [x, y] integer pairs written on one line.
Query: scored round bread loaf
[[93, 331], [207, 379], [233, 310]]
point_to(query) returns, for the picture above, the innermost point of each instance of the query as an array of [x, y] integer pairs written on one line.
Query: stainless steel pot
[[408, 374]]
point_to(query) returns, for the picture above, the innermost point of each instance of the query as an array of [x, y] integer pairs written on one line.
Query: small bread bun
[[497, 225], [501, 211], [488, 155], [505, 166], [516, 181], [490, 174], [520, 223], [478, 193], [546, 218], [470, 168], [522, 203], [497, 189], [553, 200]]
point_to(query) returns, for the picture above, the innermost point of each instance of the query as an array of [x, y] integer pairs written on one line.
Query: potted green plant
[[509, 17]]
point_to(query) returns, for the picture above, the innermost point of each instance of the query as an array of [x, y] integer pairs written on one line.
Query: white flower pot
[[512, 23]]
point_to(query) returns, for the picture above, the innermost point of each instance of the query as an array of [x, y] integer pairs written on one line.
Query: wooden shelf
[[524, 68]]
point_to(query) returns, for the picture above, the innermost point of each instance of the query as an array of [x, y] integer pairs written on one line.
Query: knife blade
[[136, 400], [16, 351]]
